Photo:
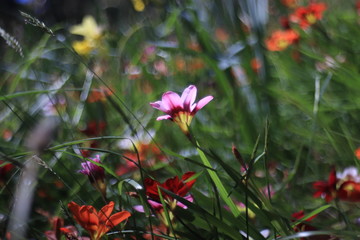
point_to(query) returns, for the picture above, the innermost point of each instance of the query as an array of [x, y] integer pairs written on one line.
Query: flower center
[[310, 18], [282, 44], [183, 120]]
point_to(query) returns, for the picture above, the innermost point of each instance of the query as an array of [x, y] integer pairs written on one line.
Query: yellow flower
[[88, 29], [91, 32], [139, 5], [83, 47]]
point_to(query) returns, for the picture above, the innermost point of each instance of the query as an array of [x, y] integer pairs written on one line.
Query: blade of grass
[[222, 191]]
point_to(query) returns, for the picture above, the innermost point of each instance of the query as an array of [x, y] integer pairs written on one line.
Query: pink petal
[[160, 106], [189, 198], [164, 117], [202, 103], [172, 101], [188, 98], [139, 208], [155, 205]]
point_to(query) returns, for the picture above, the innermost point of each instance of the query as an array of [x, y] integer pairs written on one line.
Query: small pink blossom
[[89, 168], [95, 173], [182, 109]]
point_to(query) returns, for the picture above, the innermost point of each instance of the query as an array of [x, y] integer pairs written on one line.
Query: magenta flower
[[95, 173], [90, 169], [182, 109]]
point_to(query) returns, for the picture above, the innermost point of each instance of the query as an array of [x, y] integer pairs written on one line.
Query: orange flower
[[97, 95], [221, 35], [148, 154], [357, 153], [255, 65], [281, 39], [306, 16], [97, 223]]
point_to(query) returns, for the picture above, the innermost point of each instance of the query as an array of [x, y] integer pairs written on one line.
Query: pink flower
[[92, 170], [182, 109], [95, 173]]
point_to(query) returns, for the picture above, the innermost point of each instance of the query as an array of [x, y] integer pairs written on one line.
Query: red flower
[[4, 170], [349, 191], [345, 186], [87, 152], [175, 185], [300, 214], [58, 230], [326, 189], [70, 232], [306, 16], [281, 39], [357, 151], [94, 222], [303, 226], [94, 128], [55, 234], [285, 22], [255, 65]]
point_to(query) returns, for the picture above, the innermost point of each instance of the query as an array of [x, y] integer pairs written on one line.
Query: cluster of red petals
[[55, 234], [59, 230], [299, 215], [308, 15], [94, 222], [281, 39], [349, 191], [357, 151], [87, 152], [178, 186], [94, 128], [285, 22], [326, 189], [5, 169], [255, 65], [304, 226], [345, 190]]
